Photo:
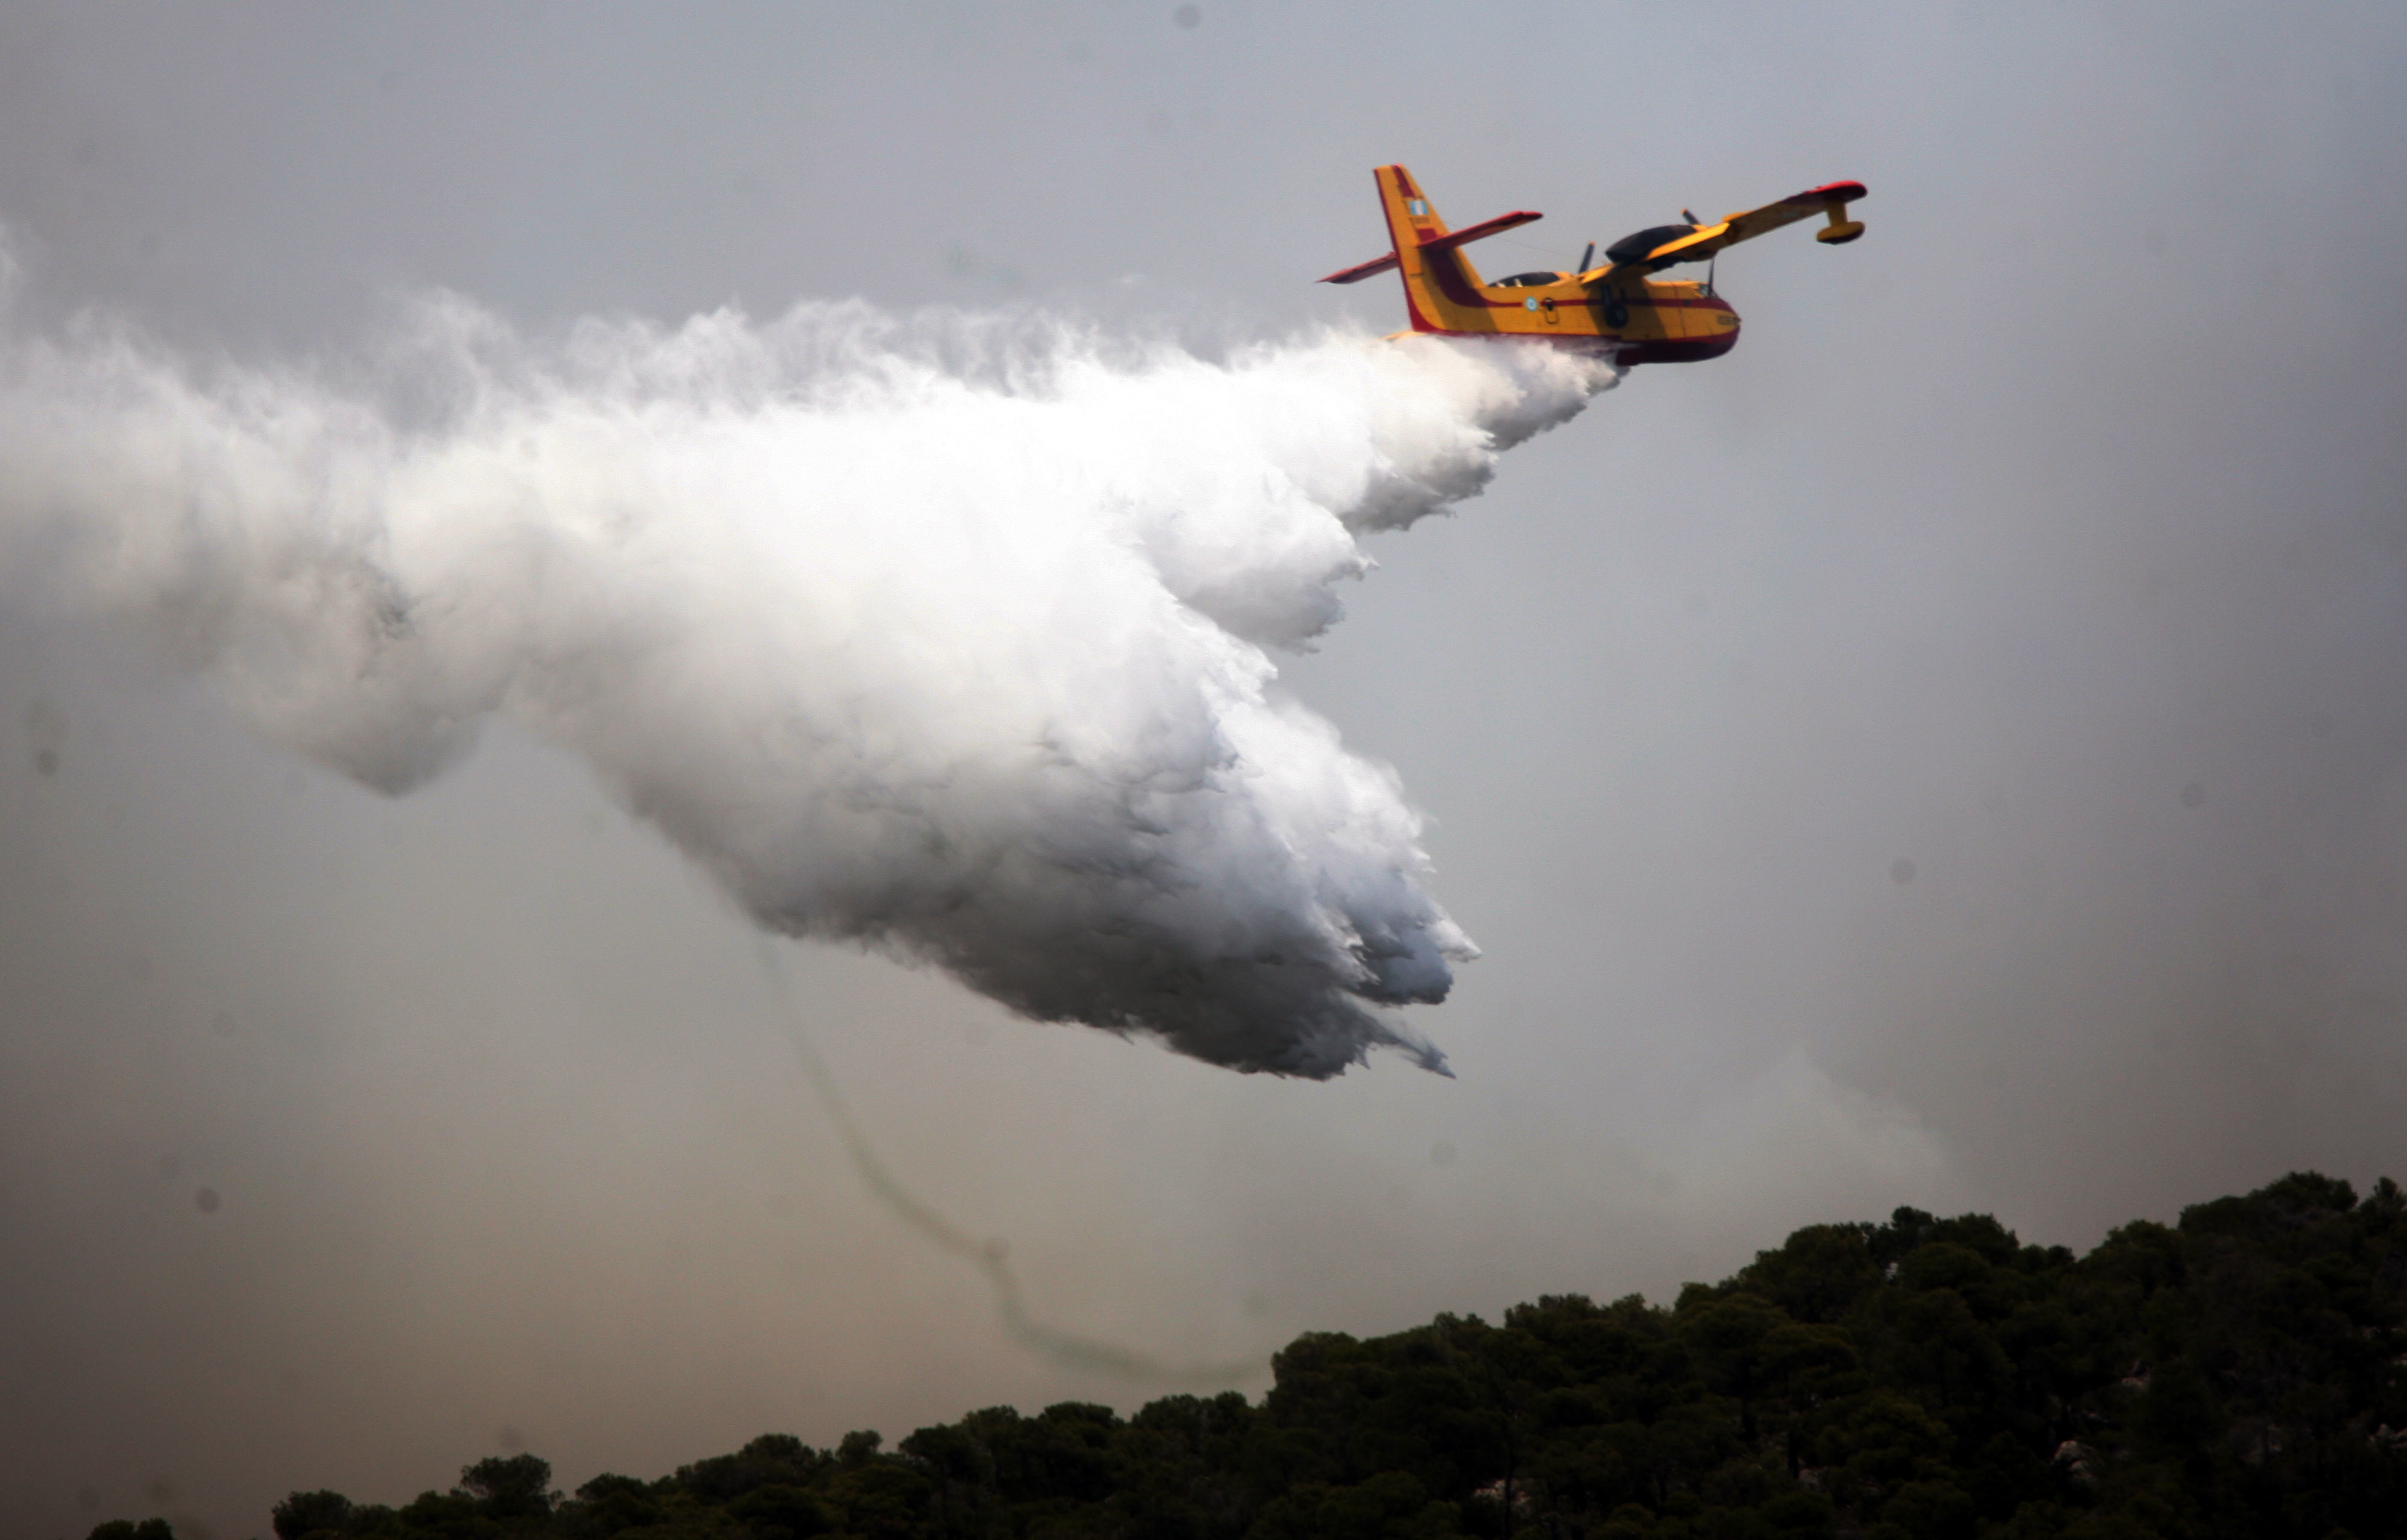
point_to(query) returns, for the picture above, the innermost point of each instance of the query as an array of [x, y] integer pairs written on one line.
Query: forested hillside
[[2242, 1372]]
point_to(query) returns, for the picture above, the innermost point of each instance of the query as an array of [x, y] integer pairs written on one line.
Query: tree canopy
[[2242, 1372]]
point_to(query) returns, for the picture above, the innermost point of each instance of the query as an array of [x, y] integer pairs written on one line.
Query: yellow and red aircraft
[[1617, 307]]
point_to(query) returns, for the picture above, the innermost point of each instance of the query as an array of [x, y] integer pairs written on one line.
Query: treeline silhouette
[[2242, 1372]]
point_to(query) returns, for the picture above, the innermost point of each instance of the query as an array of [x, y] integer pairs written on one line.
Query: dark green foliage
[[770, 1460], [307, 1513], [2240, 1374], [517, 1486]]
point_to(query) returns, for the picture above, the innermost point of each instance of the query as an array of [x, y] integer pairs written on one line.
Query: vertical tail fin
[[1411, 220], [1442, 289], [1435, 280]]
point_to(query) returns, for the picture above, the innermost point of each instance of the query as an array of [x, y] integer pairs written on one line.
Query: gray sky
[[2048, 540]]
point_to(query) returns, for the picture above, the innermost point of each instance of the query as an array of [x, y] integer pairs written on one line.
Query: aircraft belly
[[1677, 349]]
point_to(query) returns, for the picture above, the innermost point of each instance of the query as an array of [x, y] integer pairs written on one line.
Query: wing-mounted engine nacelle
[[1841, 229], [1633, 249]]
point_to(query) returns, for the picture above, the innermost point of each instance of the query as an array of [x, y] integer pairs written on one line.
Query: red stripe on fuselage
[[1451, 282], [1446, 270]]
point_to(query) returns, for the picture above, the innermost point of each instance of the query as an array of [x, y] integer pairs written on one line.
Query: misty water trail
[[946, 635], [991, 1256]]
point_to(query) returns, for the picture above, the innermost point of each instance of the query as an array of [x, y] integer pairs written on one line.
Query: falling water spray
[[944, 635]]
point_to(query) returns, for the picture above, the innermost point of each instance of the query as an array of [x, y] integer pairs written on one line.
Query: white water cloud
[[947, 636]]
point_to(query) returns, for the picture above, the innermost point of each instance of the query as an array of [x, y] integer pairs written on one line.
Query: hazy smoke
[[943, 636]]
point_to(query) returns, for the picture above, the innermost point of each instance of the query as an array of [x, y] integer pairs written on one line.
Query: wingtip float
[[1619, 306]]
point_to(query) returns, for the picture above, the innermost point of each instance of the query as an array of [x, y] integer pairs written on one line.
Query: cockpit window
[[1630, 248], [1532, 280]]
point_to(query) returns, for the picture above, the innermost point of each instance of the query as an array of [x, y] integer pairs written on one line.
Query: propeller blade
[[1690, 218]]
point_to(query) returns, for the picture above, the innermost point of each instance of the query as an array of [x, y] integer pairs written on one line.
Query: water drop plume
[[948, 636], [990, 1256]]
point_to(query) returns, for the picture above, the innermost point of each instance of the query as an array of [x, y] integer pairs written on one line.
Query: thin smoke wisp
[[946, 636]]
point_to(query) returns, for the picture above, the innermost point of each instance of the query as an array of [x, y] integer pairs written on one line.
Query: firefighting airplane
[[1617, 307]]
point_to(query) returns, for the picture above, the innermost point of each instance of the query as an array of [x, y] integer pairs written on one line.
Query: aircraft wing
[[1746, 226]]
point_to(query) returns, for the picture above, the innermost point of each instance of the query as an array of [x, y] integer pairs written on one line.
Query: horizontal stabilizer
[[1356, 275], [1479, 232]]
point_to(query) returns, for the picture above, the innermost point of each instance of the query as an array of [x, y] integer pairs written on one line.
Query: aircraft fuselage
[[1620, 307], [1643, 321]]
